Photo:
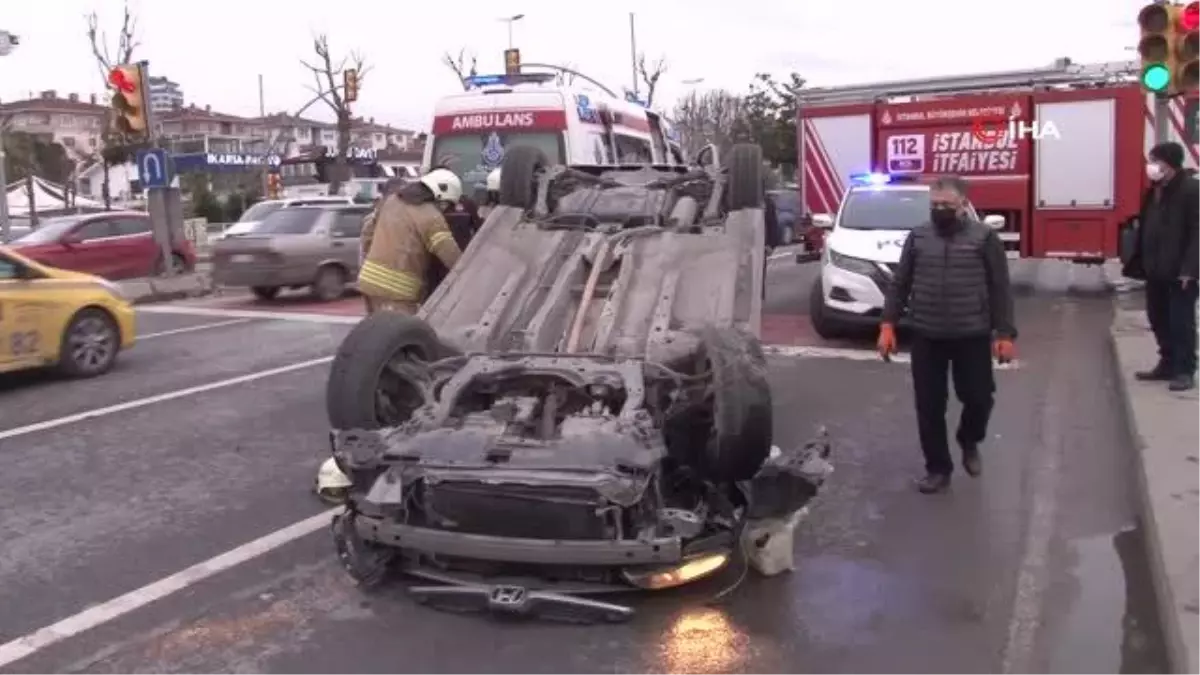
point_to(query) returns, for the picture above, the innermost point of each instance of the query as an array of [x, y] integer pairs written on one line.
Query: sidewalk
[[140, 291], [1165, 437]]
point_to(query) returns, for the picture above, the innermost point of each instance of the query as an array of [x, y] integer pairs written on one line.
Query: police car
[[862, 249]]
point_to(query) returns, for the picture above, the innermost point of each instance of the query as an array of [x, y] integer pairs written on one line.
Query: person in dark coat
[[1165, 256], [953, 280], [772, 235]]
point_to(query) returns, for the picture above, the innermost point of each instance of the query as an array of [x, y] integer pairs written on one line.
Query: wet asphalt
[[1036, 566]]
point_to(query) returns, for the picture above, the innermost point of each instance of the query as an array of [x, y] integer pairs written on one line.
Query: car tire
[[518, 176], [745, 187], [265, 292], [823, 324], [361, 367], [330, 283], [90, 344], [740, 438]]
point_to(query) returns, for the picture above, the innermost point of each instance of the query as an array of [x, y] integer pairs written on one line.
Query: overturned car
[[582, 406]]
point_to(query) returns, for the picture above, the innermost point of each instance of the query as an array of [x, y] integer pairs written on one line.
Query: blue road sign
[[154, 168]]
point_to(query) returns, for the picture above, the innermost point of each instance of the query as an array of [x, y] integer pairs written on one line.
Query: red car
[[113, 245]]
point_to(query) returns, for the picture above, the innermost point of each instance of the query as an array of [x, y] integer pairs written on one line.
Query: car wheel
[[375, 376], [265, 292], [519, 174], [330, 283], [740, 428], [89, 344], [825, 326], [745, 187]]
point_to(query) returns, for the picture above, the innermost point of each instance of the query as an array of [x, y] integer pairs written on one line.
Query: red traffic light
[[120, 79], [1189, 16]]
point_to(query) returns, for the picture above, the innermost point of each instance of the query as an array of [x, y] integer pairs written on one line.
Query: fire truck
[[1058, 152]]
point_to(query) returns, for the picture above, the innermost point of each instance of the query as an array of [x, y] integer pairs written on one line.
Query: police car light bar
[[880, 178], [870, 178]]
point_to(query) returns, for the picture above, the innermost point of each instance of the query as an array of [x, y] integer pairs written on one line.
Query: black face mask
[[943, 217]]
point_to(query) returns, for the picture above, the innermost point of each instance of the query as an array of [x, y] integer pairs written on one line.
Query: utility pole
[[7, 42], [633, 54], [266, 128]]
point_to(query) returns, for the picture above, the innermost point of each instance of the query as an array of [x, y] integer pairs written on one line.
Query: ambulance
[[571, 125]]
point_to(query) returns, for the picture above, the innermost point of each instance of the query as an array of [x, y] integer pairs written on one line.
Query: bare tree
[[650, 75], [463, 65], [708, 117], [126, 42], [329, 79]]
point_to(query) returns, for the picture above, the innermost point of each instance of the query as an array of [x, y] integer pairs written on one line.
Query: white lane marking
[[158, 398], [97, 615], [1046, 465], [189, 329], [250, 314], [850, 354]]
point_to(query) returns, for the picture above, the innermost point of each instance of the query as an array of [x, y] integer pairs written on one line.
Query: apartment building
[[165, 94], [75, 122]]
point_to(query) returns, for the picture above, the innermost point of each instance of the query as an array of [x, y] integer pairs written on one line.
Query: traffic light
[[274, 186], [129, 99], [1187, 48], [350, 80], [1155, 47], [512, 61]]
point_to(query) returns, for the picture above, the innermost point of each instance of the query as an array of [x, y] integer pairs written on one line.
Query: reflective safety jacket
[[402, 240]]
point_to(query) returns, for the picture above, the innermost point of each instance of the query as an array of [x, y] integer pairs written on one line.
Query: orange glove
[[1004, 350], [886, 344]]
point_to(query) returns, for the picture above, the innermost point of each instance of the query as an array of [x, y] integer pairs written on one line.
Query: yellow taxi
[[51, 317]]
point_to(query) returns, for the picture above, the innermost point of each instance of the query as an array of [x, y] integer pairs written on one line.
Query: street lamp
[[510, 20], [7, 42]]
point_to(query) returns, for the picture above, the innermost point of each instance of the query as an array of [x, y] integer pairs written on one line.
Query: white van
[[571, 125], [252, 216], [862, 250]]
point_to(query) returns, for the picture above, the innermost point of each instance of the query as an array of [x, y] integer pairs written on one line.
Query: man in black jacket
[[953, 280], [1166, 257]]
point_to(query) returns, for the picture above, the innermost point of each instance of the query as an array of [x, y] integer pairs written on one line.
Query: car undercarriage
[[581, 407]]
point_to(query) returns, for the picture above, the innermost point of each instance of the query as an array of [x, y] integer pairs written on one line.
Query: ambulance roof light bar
[[1062, 72], [477, 81]]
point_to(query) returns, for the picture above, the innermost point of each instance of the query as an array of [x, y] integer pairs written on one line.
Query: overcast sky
[[217, 48]]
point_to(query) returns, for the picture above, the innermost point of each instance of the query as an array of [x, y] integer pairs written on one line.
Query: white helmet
[[332, 484], [445, 185], [493, 181]]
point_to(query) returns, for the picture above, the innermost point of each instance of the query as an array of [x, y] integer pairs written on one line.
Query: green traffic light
[[1156, 77]]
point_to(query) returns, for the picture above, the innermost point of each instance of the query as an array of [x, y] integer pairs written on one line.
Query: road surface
[[202, 446]]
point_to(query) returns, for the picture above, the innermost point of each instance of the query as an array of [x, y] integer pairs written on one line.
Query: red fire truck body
[[1064, 166]]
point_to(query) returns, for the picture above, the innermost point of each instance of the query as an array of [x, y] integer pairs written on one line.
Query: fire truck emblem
[[493, 151], [886, 119], [1015, 111]]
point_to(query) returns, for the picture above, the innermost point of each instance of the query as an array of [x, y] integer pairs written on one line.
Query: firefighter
[[492, 199], [368, 229], [410, 232]]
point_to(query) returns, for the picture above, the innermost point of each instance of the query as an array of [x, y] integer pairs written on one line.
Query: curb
[[147, 291], [1180, 658]]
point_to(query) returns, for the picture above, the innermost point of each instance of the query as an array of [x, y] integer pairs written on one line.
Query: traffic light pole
[[163, 204], [1162, 119]]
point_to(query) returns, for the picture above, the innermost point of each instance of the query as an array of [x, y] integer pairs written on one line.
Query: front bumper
[[516, 550]]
